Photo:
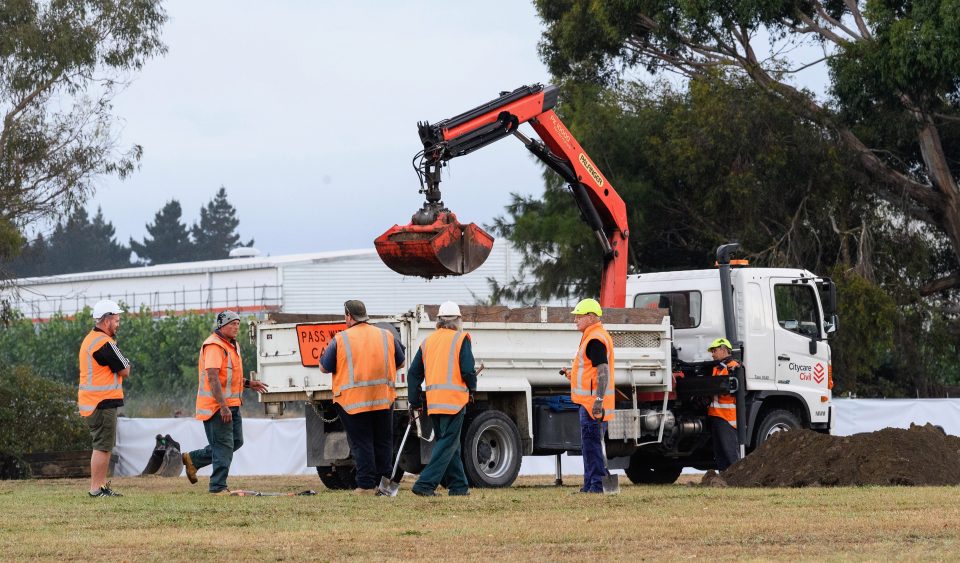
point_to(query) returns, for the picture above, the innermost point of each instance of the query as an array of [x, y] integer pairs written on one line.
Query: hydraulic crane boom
[[435, 244]]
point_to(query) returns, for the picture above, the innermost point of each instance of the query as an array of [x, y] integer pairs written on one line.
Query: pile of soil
[[920, 455]]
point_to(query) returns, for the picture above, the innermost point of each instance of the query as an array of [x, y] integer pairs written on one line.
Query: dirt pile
[[920, 455]]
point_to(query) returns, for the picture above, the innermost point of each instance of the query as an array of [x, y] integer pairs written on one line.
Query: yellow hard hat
[[588, 306], [718, 343]]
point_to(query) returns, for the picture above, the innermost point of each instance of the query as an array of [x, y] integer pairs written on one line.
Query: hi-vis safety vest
[[583, 376], [97, 383], [366, 369], [447, 392], [231, 378], [724, 406]]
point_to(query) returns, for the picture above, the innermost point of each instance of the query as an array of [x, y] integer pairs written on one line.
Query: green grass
[[167, 519]]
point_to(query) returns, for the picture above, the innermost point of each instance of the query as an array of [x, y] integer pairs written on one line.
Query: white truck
[[662, 374]]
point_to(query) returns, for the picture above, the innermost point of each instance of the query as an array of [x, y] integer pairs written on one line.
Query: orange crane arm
[[600, 206]]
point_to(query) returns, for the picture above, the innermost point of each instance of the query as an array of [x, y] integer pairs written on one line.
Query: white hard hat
[[448, 309], [105, 307]]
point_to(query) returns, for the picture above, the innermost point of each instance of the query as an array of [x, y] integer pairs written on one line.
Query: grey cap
[[356, 309], [224, 318]]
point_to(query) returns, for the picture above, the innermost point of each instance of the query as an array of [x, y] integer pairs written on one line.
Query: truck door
[[798, 323]]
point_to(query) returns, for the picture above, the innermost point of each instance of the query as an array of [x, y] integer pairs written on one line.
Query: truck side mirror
[[832, 324], [828, 290], [813, 346]]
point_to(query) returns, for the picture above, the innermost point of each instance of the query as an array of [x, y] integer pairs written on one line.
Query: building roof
[[205, 266]]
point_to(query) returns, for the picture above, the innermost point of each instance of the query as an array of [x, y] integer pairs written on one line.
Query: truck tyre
[[645, 471], [339, 478], [491, 450], [776, 420]]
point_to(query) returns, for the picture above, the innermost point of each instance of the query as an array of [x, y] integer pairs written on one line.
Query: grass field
[[167, 519]]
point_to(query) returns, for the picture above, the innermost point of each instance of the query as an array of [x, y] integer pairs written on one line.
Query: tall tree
[[894, 68], [168, 240], [61, 63], [216, 233], [30, 260], [81, 245]]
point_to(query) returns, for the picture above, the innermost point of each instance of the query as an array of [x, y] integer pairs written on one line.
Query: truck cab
[[784, 318]]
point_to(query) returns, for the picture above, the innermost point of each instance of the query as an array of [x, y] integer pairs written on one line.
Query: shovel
[[610, 482], [389, 487]]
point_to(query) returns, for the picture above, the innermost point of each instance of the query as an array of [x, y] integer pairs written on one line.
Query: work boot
[[105, 491], [222, 492], [425, 493], [191, 469], [364, 492]]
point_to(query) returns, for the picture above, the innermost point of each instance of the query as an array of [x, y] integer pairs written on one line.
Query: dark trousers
[[445, 466], [594, 468], [726, 446], [223, 439], [370, 435]]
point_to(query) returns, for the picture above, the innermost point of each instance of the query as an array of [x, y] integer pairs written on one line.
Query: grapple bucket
[[443, 248]]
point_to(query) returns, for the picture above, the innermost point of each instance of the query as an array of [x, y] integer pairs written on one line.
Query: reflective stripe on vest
[[583, 376], [366, 370], [724, 406], [96, 383], [230, 378], [447, 392]]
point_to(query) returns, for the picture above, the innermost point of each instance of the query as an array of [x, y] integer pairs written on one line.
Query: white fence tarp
[[278, 447], [853, 416], [270, 447]]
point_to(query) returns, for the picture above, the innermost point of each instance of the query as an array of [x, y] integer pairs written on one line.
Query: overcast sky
[[306, 112]]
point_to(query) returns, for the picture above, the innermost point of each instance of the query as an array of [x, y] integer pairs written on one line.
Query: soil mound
[[920, 455]]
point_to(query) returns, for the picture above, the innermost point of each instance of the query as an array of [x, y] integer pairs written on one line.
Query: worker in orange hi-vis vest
[[444, 366], [102, 370], [592, 387], [219, 396], [722, 412], [364, 360]]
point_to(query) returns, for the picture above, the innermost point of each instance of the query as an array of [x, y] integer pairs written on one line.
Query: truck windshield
[[797, 309], [684, 306]]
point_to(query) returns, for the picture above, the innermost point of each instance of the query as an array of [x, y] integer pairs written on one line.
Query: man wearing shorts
[[102, 370]]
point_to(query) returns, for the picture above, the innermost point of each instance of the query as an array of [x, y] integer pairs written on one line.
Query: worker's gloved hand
[[598, 408], [415, 412], [473, 398]]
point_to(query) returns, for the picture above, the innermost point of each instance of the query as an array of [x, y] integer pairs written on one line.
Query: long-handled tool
[[610, 482], [242, 493], [389, 487]]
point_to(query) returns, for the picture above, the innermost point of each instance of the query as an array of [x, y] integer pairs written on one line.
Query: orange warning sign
[[313, 340]]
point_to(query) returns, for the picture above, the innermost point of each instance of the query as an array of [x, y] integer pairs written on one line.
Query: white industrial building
[[299, 283]]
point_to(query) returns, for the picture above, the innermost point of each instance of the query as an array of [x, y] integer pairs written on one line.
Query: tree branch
[[835, 23], [858, 18], [822, 31], [936, 286]]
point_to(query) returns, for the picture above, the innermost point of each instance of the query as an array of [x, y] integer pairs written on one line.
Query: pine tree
[[31, 261], [168, 240], [215, 235], [81, 245]]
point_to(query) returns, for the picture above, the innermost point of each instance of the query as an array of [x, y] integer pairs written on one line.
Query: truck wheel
[[776, 420], [491, 450], [644, 471], [339, 478]]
